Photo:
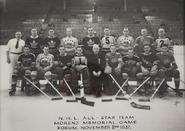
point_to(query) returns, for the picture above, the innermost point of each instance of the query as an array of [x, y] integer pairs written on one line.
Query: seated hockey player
[[79, 67], [25, 66], [62, 62], [131, 68], [167, 67], [96, 64], [113, 66], [44, 65], [149, 67]]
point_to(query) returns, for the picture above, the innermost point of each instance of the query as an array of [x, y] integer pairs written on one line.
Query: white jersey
[[125, 43], [164, 40], [70, 44], [107, 41]]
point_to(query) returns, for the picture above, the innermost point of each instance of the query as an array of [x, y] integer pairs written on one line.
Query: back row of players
[[95, 58]]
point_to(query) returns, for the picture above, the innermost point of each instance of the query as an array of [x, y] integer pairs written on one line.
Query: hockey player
[[162, 39], [113, 66], [25, 66], [131, 68], [79, 64], [34, 42], [125, 42], [107, 40], [69, 42], [143, 40], [14, 50], [96, 64], [149, 67], [53, 42], [89, 41], [167, 67], [44, 65]]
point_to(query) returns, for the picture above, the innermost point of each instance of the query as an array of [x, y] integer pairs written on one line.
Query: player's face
[[106, 31], [161, 32], [113, 49], [79, 51], [69, 32], [125, 32], [90, 31], [46, 50], [144, 32], [96, 50], [26, 50], [62, 50], [146, 49], [164, 49], [130, 53], [51, 32], [34, 32], [18, 35]]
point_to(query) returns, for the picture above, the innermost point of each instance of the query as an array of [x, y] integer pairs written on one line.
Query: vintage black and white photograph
[[92, 65]]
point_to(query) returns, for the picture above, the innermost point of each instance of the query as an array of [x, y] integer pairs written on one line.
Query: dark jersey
[[88, 43], [165, 60], [26, 60], [63, 59], [148, 60], [96, 62], [113, 59], [34, 44], [52, 42], [130, 62]]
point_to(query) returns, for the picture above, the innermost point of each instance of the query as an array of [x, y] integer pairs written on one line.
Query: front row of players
[[95, 69]]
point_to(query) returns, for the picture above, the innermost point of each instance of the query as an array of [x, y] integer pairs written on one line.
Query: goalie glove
[[117, 71], [108, 70]]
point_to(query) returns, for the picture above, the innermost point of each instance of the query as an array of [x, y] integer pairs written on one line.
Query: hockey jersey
[[130, 62], [113, 59], [63, 59], [69, 43], [34, 44], [148, 60], [107, 41], [44, 60], [26, 60], [160, 41], [125, 43]]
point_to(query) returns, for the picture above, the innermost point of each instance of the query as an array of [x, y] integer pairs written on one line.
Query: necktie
[[80, 61], [17, 44]]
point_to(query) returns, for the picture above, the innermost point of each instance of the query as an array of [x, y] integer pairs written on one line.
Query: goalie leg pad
[[14, 77], [161, 73], [34, 75], [54, 77], [48, 75], [125, 76]]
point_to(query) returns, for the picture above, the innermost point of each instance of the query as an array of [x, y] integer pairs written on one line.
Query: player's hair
[[162, 29], [50, 29], [163, 45], [106, 27], [61, 46], [26, 46], [90, 27], [33, 28], [112, 45], [131, 48], [68, 28], [146, 45], [144, 29], [96, 45], [45, 45]]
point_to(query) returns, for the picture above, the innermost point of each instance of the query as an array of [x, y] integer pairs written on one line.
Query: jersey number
[[162, 42], [107, 40]]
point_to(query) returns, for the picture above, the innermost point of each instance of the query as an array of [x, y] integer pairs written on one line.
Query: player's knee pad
[[161, 73], [34, 75], [48, 75], [125, 75], [15, 73], [176, 73], [14, 78], [27, 73], [54, 77], [67, 77], [139, 75]]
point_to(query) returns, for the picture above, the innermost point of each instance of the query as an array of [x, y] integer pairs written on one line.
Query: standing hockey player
[[162, 39], [149, 67], [114, 64], [131, 68], [143, 40], [44, 65], [96, 64], [25, 66], [14, 50], [34, 42], [69, 42], [167, 67], [53, 42], [89, 41], [107, 40], [125, 42]]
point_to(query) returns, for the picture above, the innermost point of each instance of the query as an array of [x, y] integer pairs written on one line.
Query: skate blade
[[71, 101], [145, 107], [144, 100], [106, 100], [56, 98], [89, 103], [120, 98]]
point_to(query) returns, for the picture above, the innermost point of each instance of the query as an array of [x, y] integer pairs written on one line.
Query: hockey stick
[[54, 88], [182, 81], [70, 91], [147, 100], [178, 91], [107, 100], [133, 104], [41, 90], [135, 89]]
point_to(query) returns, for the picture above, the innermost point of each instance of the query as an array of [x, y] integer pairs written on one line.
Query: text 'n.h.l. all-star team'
[[98, 65]]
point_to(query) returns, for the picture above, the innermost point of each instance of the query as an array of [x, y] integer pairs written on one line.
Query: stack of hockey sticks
[[127, 97], [42, 91], [83, 99]]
